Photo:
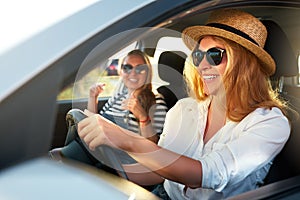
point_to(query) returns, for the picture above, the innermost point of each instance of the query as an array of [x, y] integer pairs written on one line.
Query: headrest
[[279, 47], [170, 65]]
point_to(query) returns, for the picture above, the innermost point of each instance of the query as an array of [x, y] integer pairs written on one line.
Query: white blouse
[[236, 159]]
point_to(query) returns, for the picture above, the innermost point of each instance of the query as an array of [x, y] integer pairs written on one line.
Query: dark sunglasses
[[140, 69], [214, 56]]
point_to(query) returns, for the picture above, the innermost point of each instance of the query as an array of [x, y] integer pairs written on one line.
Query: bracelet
[[146, 120], [145, 124]]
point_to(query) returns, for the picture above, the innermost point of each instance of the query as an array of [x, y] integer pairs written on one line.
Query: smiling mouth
[[133, 80], [209, 77]]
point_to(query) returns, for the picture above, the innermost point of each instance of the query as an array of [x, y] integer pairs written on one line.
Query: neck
[[219, 103]]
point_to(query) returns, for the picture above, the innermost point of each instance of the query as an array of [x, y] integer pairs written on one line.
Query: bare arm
[[166, 163], [147, 131], [94, 92], [96, 130], [141, 175], [92, 104]]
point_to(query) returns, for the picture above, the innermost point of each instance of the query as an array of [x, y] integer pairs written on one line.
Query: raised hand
[[96, 89], [133, 104]]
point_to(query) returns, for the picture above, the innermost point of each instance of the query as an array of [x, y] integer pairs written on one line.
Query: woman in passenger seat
[[221, 140], [134, 105]]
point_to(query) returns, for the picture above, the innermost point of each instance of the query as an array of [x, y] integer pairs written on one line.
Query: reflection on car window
[[109, 76], [112, 69]]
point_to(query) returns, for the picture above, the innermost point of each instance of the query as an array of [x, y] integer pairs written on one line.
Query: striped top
[[124, 118]]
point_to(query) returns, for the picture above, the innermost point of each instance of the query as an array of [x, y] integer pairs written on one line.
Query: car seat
[[170, 69], [285, 165]]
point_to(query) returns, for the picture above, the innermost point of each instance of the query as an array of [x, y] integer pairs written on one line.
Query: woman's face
[[136, 77], [211, 74]]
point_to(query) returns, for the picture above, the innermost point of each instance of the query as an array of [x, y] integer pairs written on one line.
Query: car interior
[[287, 66], [34, 120], [170, 69], [282, 43]]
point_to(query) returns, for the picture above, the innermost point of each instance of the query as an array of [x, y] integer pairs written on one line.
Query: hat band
[[233, 30]]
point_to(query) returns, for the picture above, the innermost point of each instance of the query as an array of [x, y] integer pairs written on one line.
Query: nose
[[133, 71], [204, 65]]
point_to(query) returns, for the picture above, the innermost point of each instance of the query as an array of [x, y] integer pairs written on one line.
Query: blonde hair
[[247, 86]]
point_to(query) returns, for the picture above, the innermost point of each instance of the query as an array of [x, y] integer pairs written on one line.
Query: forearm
[[163, 162], [142, 175], [93, 104], [148, 132]]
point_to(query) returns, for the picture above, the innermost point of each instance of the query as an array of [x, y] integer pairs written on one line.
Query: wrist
[[145, 122], [93, 97]]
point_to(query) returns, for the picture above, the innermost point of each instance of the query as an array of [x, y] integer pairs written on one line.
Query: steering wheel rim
[[103, 153]]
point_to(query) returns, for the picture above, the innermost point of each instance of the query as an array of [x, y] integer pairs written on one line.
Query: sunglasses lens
[[197, 56], [141, 69], [127, 68], [214, 56]]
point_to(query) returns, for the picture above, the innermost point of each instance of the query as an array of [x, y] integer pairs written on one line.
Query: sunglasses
[[140, 69], [214, 56]]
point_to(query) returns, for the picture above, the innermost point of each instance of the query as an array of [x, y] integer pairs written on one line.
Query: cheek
[[222, 67], [222, 70], [124, 75], [143, 79], [197, 70]]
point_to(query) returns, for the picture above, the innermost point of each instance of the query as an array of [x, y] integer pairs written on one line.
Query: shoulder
[[266, 117], [263, 113], [158, 96], [159, 99]]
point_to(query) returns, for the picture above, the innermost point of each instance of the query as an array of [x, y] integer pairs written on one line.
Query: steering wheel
[[103, 153]]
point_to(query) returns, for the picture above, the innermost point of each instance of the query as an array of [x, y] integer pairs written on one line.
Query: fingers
[[130, 103], [84, 127], [90, 131], [94, 144], [96, 89]]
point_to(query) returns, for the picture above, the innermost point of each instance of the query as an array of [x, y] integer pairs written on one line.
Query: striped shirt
[[124, 118]]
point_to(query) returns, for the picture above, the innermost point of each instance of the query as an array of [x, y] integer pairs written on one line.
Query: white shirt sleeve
[[257, 140]]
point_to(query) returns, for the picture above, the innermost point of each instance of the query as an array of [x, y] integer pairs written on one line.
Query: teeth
[[133, 80], [209, 77]]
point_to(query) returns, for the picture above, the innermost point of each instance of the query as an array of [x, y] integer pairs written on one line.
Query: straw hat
[[238, 26]]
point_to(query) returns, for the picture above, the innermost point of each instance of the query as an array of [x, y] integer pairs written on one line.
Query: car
[[112, 69], [47, 75]]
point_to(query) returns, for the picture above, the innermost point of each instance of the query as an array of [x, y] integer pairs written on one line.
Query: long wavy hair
[[144, 94], [247, 87]]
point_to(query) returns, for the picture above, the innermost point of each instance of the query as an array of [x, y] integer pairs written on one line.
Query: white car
[[47, 75]]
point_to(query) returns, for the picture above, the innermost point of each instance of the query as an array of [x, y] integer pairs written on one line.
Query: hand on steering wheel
[[103, 153]]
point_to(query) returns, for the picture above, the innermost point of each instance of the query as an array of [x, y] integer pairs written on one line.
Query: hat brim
[[191, 36]]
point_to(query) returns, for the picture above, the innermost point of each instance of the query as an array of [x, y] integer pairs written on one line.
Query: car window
[[109, 76]]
